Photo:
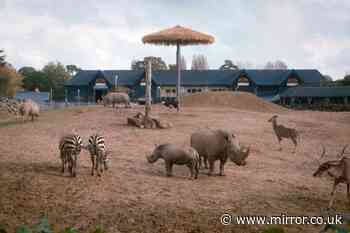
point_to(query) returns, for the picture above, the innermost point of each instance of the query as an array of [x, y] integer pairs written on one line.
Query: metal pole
[[66, 96], [78, 96], [178, 75], [116, 82], [148, 94]]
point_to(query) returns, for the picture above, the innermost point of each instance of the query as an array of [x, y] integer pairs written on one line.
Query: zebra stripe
[[97, 142], [71, 142]]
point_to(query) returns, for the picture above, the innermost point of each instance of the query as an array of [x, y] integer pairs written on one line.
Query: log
[[148, 122]]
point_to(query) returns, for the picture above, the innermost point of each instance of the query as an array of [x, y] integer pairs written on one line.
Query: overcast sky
[[106, 34]]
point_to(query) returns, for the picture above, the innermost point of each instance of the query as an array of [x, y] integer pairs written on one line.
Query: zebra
[[98, 154], [70, 147]]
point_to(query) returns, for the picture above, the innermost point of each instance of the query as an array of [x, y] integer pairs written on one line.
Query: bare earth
[[134, 196]]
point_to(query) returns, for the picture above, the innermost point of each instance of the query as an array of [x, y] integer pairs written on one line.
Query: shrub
[[10, 81]]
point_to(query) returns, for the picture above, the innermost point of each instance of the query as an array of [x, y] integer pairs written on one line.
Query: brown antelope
[[284, 132], [339, 170]]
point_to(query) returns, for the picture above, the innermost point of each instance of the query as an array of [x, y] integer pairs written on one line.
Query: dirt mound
[[239, 100]]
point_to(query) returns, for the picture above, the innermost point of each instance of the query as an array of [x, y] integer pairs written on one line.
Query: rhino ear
[[233, 135]]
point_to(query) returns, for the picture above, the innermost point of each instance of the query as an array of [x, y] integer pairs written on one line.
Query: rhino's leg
[[190, 166], [348, 193], [205, 162], [169, 168], [222, 164], [196, 170], [200, 162], [211, 167]]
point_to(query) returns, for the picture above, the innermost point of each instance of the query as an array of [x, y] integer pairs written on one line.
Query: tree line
[[54, 74], [50, 78]]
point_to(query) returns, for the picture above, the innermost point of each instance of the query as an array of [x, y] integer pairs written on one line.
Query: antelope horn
[[322, 154]]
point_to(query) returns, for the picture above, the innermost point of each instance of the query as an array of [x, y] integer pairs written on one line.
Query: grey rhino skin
[[116, 98], [173, 154], [219, 145]]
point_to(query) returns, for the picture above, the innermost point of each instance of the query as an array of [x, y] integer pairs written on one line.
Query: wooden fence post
[[148, 94]]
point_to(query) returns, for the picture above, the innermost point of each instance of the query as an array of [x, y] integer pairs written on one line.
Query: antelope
[[284, 132], [339, 170]]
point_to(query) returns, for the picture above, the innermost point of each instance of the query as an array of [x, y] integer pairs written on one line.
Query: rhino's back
[[120, 97], [178, 155], [207, 142]]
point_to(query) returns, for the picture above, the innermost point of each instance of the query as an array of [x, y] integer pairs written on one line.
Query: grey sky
[[107, 34]]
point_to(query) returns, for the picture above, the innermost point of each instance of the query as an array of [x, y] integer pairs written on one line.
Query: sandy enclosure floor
[[134, 196]]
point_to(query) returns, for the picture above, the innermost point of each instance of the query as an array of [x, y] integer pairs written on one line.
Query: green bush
[[44, 227], [273, 229]]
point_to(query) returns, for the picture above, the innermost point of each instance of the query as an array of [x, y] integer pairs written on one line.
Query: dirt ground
[[134, 196]]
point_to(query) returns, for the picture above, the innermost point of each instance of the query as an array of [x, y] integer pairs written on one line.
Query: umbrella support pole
[[178, 91]]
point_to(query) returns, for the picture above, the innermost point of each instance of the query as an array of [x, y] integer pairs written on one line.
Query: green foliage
[[72, 70], [57, 75], [36, 79], [2, 58], [44, 226], [99, 229], [273, 229], [23, 229], [26, 70], [69, 230]]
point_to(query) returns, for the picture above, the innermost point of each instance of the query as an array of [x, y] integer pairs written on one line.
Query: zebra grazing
[[70, 147], [97, 149], [284, 132]]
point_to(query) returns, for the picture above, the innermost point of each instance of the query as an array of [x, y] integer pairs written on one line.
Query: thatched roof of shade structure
[[178, 35]]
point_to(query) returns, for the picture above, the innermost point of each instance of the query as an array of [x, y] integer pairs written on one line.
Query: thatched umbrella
[[178, 36]]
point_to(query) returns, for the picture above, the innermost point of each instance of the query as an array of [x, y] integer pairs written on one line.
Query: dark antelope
[[339, 170], [284, 132]]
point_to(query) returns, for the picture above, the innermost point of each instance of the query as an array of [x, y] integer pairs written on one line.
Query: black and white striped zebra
[[70, 147], [97, 149]]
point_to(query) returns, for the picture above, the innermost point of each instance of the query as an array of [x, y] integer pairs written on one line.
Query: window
[[292, 82], [243, 81]]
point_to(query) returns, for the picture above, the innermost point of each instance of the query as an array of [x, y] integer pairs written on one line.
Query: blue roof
[[267, 77], [125, 77], [277, 77], [196, 78]]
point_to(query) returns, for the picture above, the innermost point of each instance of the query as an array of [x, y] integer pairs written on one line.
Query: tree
[[157, 63], [199, 62], [183, 65], [280, 65], [269, 66], [277, 65], [2, 58], [26, 70], [72, 69], [10, 81], [36, 80], [57, 75], [228, 65]]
